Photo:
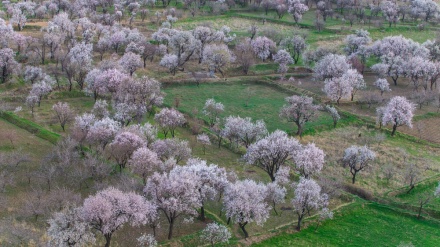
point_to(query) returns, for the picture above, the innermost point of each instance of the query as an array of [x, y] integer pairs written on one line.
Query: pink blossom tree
[[243, 130], [355, 42], [383, 85], [144, 163], [271, 152], [334, 113], [130, 62], [295, 45], [275, 194], [424, 8], [169, 119], [331, 66], [211, 180], [300, 110], [33, 74], [309, 160], [20, 12], [217, 57], [79, 62], [8, 65], [204, 140], [212, 111], [262, 47], [171, 62], [415, 68], [244, 55], [297, 8], [102, 132], [391, 65], [31, 101], [110, 209], [175, 194], [81, 127], [42, 88], [283, 59], [123, 146], [308, 197], [390, 11], [399, 111], [136, 97], [63, 113], [172, 149], [206, 36], [338, 88], [244, 203], [357, 158], [67, 229], [100, 109], [215, 233], [281, 8]]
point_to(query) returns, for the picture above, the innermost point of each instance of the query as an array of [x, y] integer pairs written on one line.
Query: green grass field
[[426, 189], [264, 103], [363, 224]]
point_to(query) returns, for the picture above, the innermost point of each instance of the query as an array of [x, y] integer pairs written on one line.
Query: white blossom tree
[[299, 110], [215, 233], [110, 209], [244, 203], [130, 62], [399, 111], [243, 130], [8, 65], [283, 59], [295, 45], [334, 113], [275, 194], [309, 160], [63, 113], [175, 194], [169, 120], [262, 47], [308, 197], [67, 229], [217, 57], [383, 85], [297, 8], [271, 152], [357, 158], [331, 66], [212, 110]]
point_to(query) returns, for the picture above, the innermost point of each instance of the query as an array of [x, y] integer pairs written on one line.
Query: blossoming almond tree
[[110, 209], [300, 110], [271, 152], [399, 111], [244, 203]]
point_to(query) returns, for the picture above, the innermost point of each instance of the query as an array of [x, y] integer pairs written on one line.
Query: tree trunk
[[272, 176], [420, 211], [108, 238], [170, 229], [274, 208], [411, 187], [353, 179], [394, 129], [202, 213], [298, 225], [300, 130], [246, 235]]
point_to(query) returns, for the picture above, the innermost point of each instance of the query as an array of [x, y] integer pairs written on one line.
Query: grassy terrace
[[363, 224], [255, 100]]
